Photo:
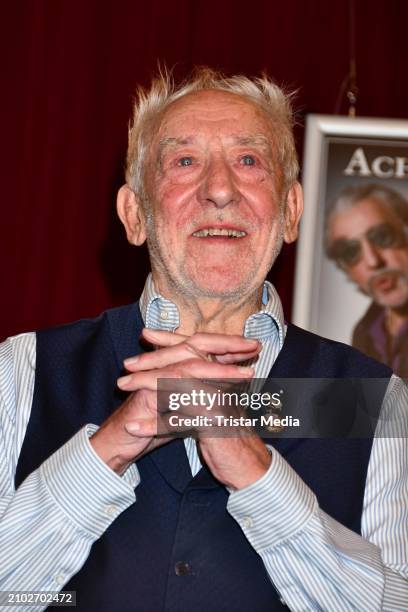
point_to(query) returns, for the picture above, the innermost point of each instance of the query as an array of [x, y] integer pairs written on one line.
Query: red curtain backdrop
[[70, 68]]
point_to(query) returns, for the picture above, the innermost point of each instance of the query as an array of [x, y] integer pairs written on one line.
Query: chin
[[395, 302]]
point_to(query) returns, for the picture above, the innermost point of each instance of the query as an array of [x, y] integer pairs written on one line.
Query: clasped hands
[[131, 431]]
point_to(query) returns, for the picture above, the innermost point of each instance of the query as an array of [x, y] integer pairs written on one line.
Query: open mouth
[[219, 232], [385, 281]]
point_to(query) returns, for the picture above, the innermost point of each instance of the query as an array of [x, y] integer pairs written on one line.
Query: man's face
[[371, 247], [215, 214]]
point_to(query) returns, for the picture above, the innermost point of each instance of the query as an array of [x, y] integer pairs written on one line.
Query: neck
[[395, 319], [226, 315]]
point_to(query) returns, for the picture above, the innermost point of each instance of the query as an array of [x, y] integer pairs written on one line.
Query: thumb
[[142, 428]]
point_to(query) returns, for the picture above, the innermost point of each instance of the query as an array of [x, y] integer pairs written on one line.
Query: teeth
[[212, 231]]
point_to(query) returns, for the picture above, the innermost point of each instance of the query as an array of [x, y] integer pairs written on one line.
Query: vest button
[[181, 568]]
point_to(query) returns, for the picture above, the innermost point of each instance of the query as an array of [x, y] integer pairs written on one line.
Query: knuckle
[[193, 364], [198, 336], [175, 372]]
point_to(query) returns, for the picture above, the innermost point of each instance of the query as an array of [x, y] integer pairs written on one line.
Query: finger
[[237, 357], [193, 368], [180, 352], [142, 428], [162, 357], [163, 425], [220, 344], [161, 337], [207, 343]]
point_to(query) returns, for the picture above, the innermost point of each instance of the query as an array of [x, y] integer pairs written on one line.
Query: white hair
[[150, 105]]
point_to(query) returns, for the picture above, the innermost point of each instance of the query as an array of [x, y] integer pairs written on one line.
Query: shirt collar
[[160, 313]]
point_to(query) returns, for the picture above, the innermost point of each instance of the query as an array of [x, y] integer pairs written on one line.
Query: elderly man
[[94, 501], [367, 236]]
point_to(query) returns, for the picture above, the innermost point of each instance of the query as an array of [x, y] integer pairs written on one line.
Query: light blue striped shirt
[[49, 524]]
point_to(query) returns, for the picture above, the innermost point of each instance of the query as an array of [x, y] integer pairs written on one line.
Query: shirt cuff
[[84, 487], [273, 508]]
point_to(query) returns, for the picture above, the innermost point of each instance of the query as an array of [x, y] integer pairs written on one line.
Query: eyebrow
[[245, 141], [253, 140], [171, 142], [257, 139]]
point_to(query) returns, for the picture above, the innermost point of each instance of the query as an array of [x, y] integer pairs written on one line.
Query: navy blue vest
[[177, 518]]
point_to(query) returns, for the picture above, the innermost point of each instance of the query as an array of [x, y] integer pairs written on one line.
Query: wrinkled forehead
[[213, 110]]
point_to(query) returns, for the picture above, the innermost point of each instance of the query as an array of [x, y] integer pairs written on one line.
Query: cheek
[[269, 221], [397, 259], [358, 275], [175, 207], [262, 206]]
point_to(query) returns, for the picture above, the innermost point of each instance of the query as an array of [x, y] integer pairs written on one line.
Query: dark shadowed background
[[69, 71]]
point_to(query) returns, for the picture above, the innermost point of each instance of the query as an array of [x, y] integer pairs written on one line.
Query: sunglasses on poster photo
[[348, 252]]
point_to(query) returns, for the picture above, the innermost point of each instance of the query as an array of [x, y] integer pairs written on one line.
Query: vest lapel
[[172, 463], [292, 362], [125, 326], [170, 459]]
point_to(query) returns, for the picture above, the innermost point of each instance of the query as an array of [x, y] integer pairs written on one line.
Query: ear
[[131, 214], [293, 212]]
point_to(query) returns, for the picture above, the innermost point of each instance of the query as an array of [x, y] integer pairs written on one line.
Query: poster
[[351, 281]]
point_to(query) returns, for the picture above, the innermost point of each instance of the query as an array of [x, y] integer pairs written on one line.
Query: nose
[[218, 186], [371, 255]]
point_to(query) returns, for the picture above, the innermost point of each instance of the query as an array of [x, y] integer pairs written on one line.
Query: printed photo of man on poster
[[352, 264], [367, 237]]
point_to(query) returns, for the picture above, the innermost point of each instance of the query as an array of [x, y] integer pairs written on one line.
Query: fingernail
[[245, 370], [252, 343], [132, 427], [123, 381], [130, 360]]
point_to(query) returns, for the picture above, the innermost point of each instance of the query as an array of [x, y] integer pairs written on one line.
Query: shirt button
[[110, 510], [164, 314], [181, 568], [247, 521], [60, 579]]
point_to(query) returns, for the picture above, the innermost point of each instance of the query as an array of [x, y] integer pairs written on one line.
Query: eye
[[384, 236], [351, 252], [346, 252], [248, 160], [185, 161]]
